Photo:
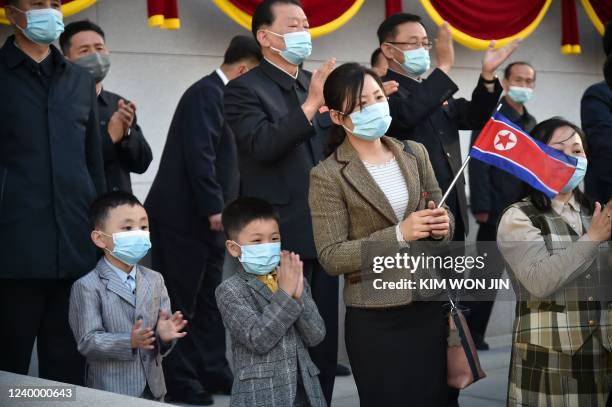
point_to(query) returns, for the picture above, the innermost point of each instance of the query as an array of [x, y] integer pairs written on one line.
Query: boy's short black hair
[[243, 211], [508, 70], [240, 48], [98, 211], [11, 2], [264, 15], [74, 28], [388, 28]]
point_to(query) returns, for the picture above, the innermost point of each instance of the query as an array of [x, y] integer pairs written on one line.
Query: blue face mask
[[298, 46], [44, 25], [416, 61], [130, 247], [371, 122], [260, 259], [519, 94], [578, 176]]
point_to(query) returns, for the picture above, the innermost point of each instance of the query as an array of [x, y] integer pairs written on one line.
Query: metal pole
[[452, 185]]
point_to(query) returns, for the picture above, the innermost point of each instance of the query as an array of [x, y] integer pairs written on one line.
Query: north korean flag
[[505, 145]]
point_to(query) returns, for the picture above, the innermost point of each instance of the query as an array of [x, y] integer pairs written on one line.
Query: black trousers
[[192, 270], [38, 310], [480, 311], [398, 354], [325, 294]]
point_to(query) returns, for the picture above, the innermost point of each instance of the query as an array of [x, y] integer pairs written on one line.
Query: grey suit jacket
[[102, 313], [270, 333]]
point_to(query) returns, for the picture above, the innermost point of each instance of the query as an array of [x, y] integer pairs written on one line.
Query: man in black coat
[[596, 119], [424, 110], [124, 147], [198, 175], [492, 189], [50, 171], [280, 134]]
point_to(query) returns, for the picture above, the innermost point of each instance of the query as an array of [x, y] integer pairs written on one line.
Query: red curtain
[[163, 14], [486, 19], [570, 37], [603, 8], [393, 7]]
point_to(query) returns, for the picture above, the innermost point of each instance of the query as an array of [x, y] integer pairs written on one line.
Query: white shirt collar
[[122, 274], [282, 70], [222, 76], [417, 79]]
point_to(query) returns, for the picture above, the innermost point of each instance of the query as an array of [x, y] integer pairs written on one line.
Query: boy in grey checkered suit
[[270, 314]]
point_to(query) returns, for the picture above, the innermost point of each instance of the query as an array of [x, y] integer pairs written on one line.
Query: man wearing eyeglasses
[[424, 110]]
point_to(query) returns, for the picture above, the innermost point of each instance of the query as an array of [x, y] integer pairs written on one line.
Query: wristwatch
[[490, 81]]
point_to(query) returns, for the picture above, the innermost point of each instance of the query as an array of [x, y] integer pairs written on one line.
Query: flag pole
[[463, 166], [452, 185]]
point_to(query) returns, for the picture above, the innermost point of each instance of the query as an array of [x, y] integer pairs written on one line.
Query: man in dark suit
[[50, 171], [124, 147], [596, 119], [274, 113], [424, 110], [492, 190], [198, 175]]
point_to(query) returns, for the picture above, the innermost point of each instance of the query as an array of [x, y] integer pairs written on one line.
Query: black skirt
[[398, 355]]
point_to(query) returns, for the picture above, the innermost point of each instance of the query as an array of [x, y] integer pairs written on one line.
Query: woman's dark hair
[[543, 132], [342, 92]]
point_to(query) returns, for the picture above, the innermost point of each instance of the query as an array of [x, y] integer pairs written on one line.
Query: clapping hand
[[142, 338], [169, 329], [290, 274]]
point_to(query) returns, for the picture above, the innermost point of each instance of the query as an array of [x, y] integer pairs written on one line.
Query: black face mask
[[97, 64]]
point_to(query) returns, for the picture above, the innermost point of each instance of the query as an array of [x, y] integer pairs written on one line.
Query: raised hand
[[142, 338], [493, 58], [315, 97], [169, 329], [601, 223], [390, 87], [445, 51]]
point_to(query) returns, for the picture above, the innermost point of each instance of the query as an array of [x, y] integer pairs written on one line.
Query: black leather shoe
[[202, 398], [481, 345], [221, 383], [342, 370]]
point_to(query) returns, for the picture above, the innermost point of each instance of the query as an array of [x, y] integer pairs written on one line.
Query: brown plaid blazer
[[352, 218]]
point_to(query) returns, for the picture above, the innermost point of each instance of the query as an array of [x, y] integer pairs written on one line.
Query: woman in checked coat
[[554, 253]]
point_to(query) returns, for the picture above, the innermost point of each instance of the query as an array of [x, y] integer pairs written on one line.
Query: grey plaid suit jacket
[[102, 313], [270, 333]]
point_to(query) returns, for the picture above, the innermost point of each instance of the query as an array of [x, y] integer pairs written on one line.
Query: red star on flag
[[504, 139]]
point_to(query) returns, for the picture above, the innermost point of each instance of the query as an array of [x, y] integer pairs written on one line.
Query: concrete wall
[[153, 67]]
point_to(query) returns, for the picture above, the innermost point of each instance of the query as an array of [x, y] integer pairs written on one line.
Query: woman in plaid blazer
[[562, 334]]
